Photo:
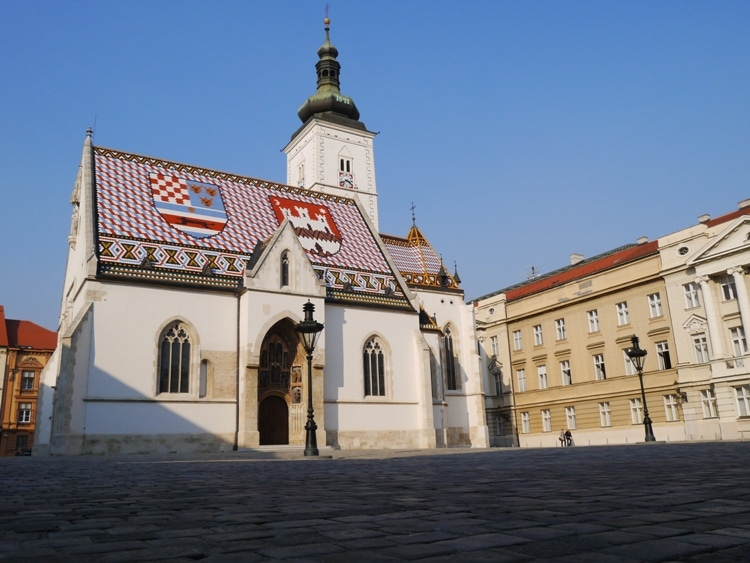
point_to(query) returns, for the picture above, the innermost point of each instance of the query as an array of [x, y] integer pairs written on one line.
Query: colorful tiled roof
[[171, 222], [417, 260]]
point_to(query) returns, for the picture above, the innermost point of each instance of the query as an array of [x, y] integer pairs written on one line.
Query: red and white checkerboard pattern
[[169, 189], [126, 210]]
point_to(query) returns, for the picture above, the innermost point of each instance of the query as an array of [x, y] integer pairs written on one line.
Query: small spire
[[413, 217], [89, 132], [456, 277]]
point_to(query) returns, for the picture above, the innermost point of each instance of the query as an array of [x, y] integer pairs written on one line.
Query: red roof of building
[[17, 334], [728, 216], [3, 331], [583, 269]]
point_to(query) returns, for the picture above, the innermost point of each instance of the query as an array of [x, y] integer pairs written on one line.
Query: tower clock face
[[346, 179]]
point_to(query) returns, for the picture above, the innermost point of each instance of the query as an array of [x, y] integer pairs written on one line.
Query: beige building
[[704, 268], [560, 344], [554, 348]]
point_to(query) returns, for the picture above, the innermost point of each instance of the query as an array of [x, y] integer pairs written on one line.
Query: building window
[[670, 408], [495, 346], [662, 355], [373, 364], [525, 423], [623, 317], [451, 375], [708, 402], [570, 417], [301, 175], [636, 411], [700, 345], [174, 360], [739, 342], [560, 329], [600, 372], [538, 340], [499, 426], [604, 415], [24, 413], [542, 373], [742, 394], [593, 317], [728, 289], [521, 375], [22, 442], [654, 306], [692, 297], [27, 380], [546, 421], [629, 366], [517, 340], [565, 372], [284, 269]]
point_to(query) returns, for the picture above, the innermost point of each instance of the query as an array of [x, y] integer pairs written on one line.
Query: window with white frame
[[739, 342], [605, 417], [670, 408], [525, 423], [700, 346], [538, 339], [728, 288], [494, 345], [623, 317], [373, 366], [560, 329], [692, 296], [600, 372], [546, 421], [654, 305], [521, 375], [708, 402], [593, 317], [174, 359], [570, 417], [27, 380], [742, 395], [24, 413], [662, 355], [636, 411], [517, 340], [541, 371], [629, 365], [565, 375]]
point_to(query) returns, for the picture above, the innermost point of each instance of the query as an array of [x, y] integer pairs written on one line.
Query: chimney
[[576, 259], [744, 203], [703, 218], [641, 240]]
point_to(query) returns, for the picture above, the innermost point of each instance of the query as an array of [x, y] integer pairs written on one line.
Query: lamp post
[[637, 355], [309, 331]]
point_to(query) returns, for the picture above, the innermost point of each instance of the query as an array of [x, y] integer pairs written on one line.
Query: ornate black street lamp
[[637, 355], [309, 331]]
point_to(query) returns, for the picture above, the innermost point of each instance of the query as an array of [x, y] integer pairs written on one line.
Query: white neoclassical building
[[184, 286]]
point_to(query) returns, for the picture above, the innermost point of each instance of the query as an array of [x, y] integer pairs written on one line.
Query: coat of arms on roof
[[195, 208], [315, 228]]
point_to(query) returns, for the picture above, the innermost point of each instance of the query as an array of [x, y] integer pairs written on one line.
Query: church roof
[[418, 262], [170, 222]]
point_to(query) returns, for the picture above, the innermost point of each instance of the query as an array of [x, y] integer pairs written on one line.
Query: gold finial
[[327, 20]]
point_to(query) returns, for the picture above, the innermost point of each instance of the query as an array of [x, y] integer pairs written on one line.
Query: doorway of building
[[273, 421]]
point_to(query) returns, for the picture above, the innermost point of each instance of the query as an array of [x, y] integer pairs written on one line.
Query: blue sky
[[523, 131]]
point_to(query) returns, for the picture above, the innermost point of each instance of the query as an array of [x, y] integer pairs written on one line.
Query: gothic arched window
[[451, 378], [284, 269], [373, 363], [174, 359]]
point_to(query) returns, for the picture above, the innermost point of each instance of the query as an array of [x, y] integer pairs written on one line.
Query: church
[[185, 288]]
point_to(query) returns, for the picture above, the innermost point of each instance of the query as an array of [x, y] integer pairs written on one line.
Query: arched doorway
[[278, 386], [273, 421]]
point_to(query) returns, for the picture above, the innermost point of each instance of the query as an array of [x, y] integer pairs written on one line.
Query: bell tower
[[332, 151]]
